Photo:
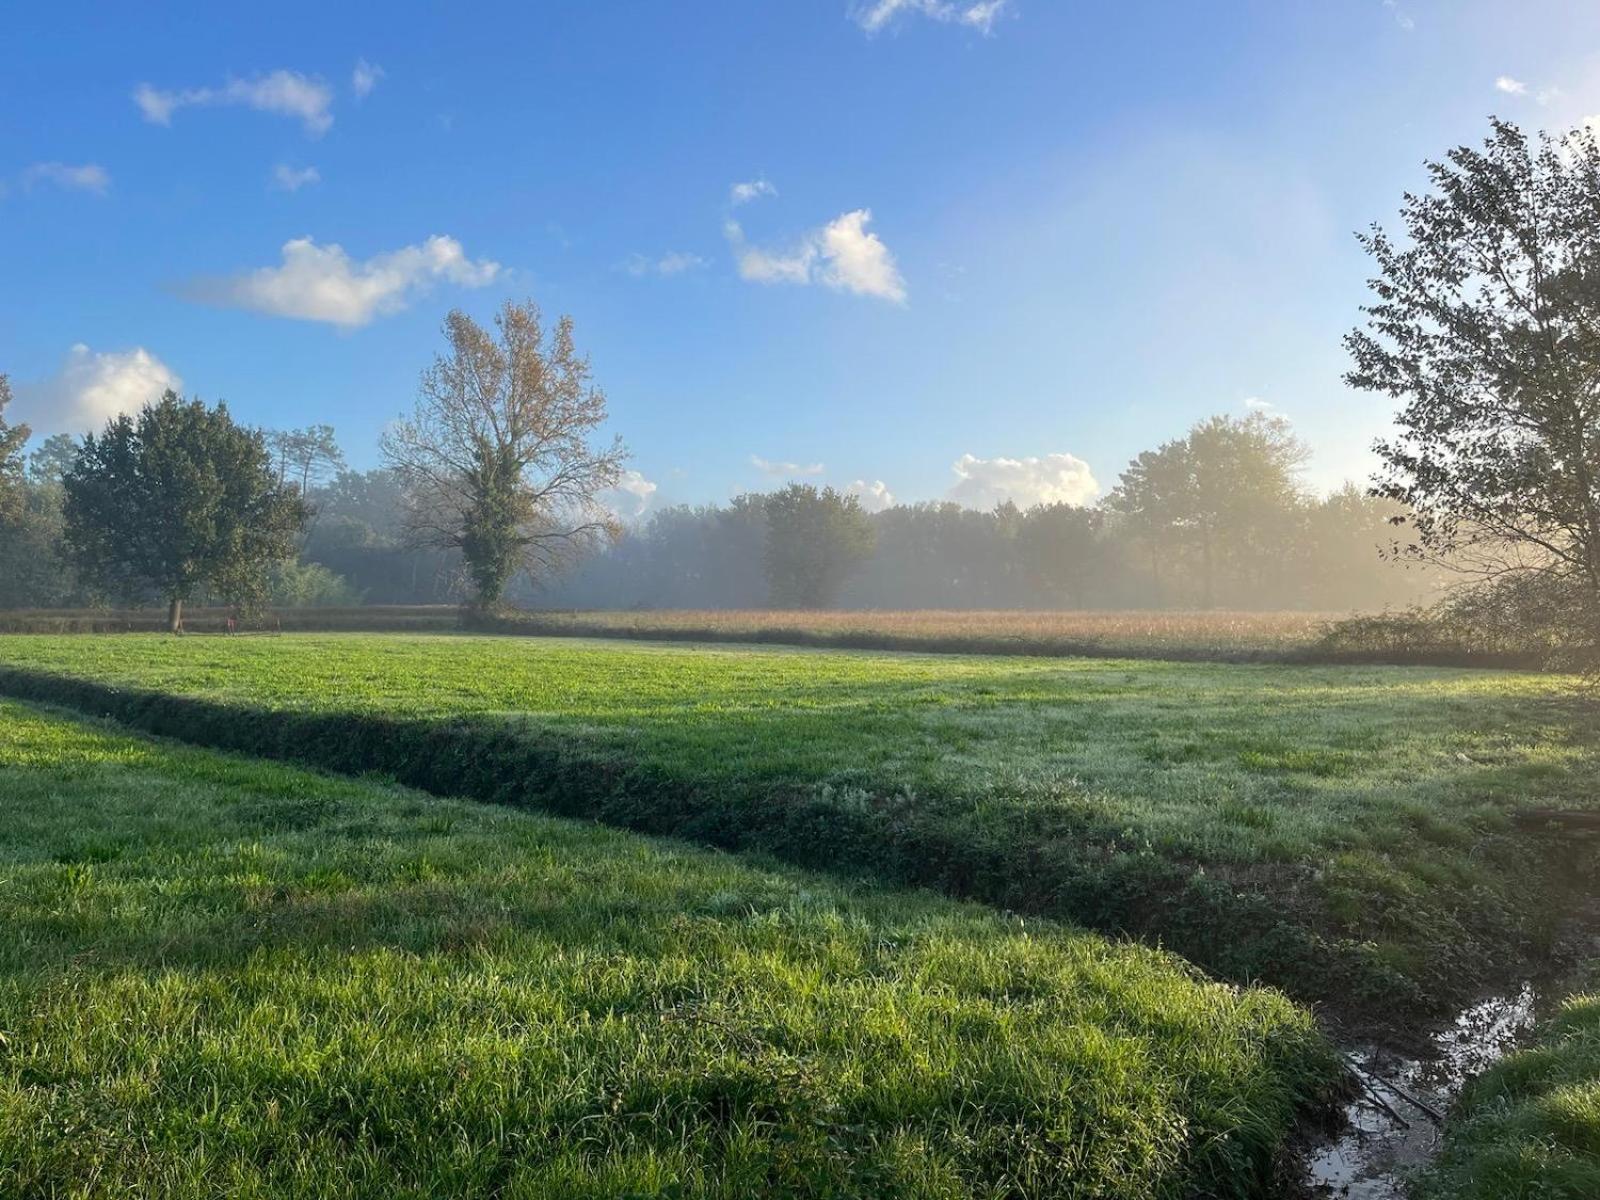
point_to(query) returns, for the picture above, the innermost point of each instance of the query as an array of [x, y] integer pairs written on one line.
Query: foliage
[[1228, 492], [1485, 327], [815, 540], [176, 499], [308, 585], [496, 460], [12, 440], [219, 976], [49, 461], [359, 535], [1342, 832], [305, 457], [1290, 552], [1530, 1125]]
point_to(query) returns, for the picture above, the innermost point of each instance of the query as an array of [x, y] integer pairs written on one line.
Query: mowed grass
[[1369, 805], [220, 977], [1529, 1127]]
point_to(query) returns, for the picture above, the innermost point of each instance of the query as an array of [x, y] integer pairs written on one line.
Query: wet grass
[[225, 977], [1344, 831], [1529, 1127]]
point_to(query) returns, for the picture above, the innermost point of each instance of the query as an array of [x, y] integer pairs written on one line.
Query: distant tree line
[[1217, 518]]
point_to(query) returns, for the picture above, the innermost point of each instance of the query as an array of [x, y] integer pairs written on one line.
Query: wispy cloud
[[292, 179], [91, 388], [674, 262], [874, 15], [1401, 17], [1510, 86], [842, 255], [323, 283], [785, 470], [87, 177], [1047, 479], [282, 93], [365, 77], [753, 189]]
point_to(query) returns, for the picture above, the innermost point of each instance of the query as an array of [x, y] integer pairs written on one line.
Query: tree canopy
[[496, 458], [12, 439], [174, 499], [815, 540], [1486, 326]]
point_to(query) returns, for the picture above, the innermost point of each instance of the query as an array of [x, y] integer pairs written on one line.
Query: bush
[[309, 585]]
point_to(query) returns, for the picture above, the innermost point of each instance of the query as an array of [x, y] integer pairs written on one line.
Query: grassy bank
[[225, 977], [1343, 832], [1529, 1127]]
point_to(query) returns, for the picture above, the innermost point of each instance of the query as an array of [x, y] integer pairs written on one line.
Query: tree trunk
[[175, 615]]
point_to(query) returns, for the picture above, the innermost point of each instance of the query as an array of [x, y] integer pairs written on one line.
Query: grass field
[[1344, 832], [220, 977], [1529, 1127], [1199, 636]]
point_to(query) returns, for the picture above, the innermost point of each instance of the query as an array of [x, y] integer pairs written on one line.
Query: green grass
[[1341, 830], [220, 977], [1529, 1127]]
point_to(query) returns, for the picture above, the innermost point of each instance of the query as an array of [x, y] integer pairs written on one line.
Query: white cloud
[[1510, 86], [873, 15], [754, 189], [292, 179], [842, 255], [89, 177], [674, 262], [874, 496], [1256, 403], [634, 490], [784, 470], [284, 93], [1051, 479], [92, 388], [364, 78], [323, 283]]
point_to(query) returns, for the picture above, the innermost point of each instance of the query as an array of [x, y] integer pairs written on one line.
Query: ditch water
[[1394, 1123]]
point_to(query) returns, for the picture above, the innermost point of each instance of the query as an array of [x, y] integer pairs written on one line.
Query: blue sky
[[1090, 224]]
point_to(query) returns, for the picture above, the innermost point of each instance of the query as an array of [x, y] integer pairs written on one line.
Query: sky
[[924, 249]]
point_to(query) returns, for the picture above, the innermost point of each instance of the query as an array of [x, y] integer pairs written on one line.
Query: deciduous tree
[[497, 458], [815, 539], [1486, 326]]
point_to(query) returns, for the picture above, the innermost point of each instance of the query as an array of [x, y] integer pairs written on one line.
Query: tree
[[1486, 326], [815, 539], [175, 499], [1059, 545], [50, 461], [305, 456], [496, 458], [12, 440], [1228, 493]]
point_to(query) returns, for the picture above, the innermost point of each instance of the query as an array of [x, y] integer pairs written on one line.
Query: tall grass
[[220, 977]]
